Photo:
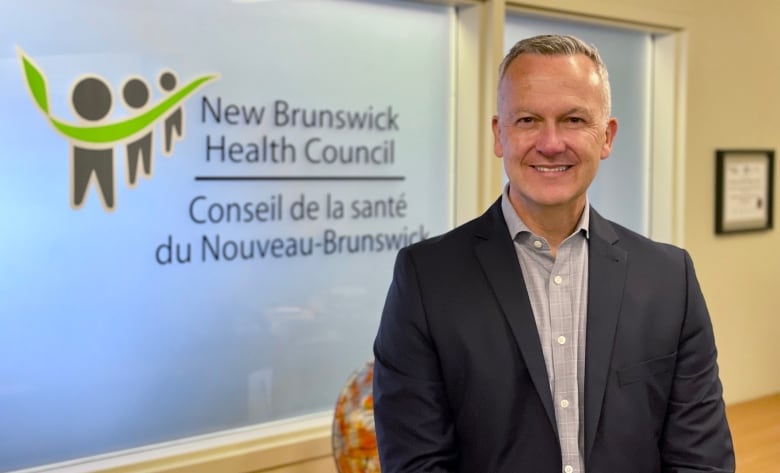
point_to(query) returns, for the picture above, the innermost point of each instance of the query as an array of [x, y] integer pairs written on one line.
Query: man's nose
[[550, 142]]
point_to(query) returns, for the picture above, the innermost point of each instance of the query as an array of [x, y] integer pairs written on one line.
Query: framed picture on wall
[[744, 188]]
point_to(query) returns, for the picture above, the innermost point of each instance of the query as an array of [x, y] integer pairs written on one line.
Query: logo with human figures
[[95, 139]]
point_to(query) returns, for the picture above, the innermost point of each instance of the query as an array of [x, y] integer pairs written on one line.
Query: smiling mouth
[[551, 168]]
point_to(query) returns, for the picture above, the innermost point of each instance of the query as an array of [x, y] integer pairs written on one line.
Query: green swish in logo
[[108, 133]]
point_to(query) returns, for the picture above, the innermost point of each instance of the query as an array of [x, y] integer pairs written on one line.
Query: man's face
[[551, 130]]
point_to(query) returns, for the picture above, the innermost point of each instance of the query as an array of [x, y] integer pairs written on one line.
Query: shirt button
[[564, 403], [537, 244], [558, 280], [561, 340], [568, 469]]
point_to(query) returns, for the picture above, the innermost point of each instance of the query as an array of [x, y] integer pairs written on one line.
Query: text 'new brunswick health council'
[[267, 149]]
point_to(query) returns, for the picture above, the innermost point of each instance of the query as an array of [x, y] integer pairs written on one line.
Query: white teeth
[[548, 169]]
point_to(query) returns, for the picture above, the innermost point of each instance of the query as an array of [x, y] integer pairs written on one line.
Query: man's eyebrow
[[511, 114], [575, 110], [520, 111]]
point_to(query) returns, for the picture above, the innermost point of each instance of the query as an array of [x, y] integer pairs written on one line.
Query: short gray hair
[[559, 45]]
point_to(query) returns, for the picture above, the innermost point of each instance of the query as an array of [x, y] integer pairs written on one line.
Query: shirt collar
[[516, 225]]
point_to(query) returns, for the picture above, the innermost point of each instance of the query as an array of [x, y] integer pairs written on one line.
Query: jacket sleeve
[[696, 435], [413, 422]]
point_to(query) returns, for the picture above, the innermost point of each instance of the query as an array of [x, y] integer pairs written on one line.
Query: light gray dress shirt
[[558, 291]]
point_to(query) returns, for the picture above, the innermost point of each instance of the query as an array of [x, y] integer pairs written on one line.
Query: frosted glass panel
[[202, 202], [620, 191]]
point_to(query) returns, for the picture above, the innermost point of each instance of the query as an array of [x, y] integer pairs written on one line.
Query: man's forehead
[[541, 73], [572, 64], [552, 82]]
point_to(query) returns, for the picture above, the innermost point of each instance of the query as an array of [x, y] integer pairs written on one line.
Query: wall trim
[[251, 449]]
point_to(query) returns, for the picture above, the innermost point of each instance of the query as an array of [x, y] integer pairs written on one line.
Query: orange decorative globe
[[354, 441]]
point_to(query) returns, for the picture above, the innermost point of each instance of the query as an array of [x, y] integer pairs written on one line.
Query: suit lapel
[[606, 278], [495, 251]]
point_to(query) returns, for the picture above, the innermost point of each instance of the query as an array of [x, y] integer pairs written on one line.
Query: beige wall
[[733, 98], [730, 98]]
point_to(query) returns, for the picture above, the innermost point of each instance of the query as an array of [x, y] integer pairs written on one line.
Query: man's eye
[[575, 120], [524, 120]]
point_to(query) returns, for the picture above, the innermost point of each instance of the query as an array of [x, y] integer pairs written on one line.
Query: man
[[540, 337]]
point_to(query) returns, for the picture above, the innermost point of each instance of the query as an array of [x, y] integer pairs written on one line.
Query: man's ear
[[609, 137], [498, 150]]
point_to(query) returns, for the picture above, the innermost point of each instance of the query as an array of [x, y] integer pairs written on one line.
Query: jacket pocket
[[632, 374]]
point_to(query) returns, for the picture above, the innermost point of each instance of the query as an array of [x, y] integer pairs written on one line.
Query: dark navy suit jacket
[[460, 383]]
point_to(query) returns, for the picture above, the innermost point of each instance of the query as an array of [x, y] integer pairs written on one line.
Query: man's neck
[[553, 223]]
